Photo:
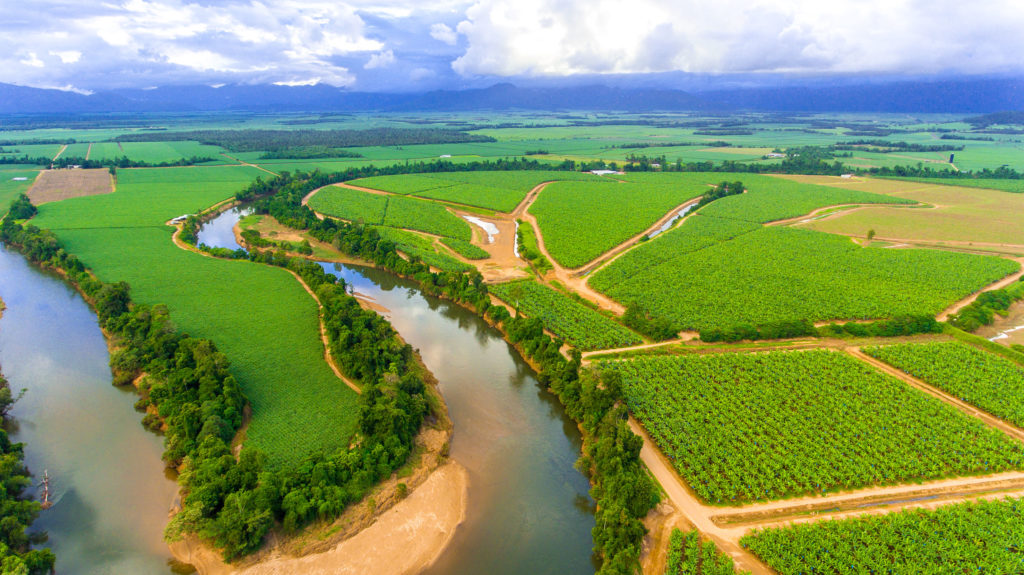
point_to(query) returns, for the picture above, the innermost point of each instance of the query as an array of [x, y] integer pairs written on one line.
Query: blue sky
[[387, 45]]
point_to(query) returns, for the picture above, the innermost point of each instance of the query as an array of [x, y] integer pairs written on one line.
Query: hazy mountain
[[952, 96]]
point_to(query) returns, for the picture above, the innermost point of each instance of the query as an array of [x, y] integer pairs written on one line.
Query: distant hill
[[1004, 118], [968, 96]]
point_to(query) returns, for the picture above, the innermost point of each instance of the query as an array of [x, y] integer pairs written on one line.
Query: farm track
[[88, 151], [320, 308], [240, 162], [59, 152]]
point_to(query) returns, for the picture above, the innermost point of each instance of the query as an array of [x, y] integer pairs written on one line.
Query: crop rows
[[977, 377], [769, 198], [687, 555], [393, 211], [466, 249], [752, 427], [495, 190], [422, 248], [778, 273], [975, 537], [579, 325], [580, 221]]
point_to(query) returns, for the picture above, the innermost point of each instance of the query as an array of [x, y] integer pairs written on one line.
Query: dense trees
[[22, 208], [279, 140]]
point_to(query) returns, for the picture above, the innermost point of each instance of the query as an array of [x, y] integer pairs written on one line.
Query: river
[[111, 495], [528, 510]]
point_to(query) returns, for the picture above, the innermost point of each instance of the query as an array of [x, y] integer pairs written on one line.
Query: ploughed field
[[743, 427]]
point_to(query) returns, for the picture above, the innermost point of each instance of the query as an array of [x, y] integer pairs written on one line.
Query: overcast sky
[[390, 45]]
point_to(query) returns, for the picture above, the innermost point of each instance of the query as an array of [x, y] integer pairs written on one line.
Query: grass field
[[299, 406], [977, 537], [577, 324], [729, 423], [979, 378], [960, 214], [11, 185], [580, 220], [155, 152], [788, 274]]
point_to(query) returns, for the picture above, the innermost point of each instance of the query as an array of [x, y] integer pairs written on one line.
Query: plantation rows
[[466, 249], [687, 555], [501, 191], [579, 325], [779, 273], [753, 427], [423, 248], [393, 211], [978, 537], [769, 199], [580, 220], [980, 378]]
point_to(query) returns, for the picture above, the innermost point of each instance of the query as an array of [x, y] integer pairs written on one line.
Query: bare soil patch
[[56, 185]]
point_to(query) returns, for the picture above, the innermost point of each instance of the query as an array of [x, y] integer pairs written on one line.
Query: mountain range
[[971, 95]]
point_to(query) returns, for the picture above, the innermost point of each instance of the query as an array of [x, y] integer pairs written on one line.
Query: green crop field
[[579, 325], [975, 537], [155, 152], [580, 220], [351, 205], [688, 555], [764, 426], [501, 191], [398, 212], [423, 248], [779, 273], [30, 150], [11, 184], [466, 249], [425, 216], [299, 405], [769, 198], [980, 378], [1015, 186]]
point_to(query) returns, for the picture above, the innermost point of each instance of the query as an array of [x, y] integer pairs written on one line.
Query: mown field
[[501, 191], [779, 273], [764, 426], [299, 406], [987, 381], [391, 211], [577, 324], [580, 220], [976, 537]]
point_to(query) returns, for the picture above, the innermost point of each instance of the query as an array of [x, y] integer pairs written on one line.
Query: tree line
[[277, 140]]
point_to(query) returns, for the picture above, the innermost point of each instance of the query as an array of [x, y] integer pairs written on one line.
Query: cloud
[[67, 56], [380, 60], [443, 33], [565, 37], [32, 60]]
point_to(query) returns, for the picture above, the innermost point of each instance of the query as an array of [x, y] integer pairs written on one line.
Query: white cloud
[[380, 60], [443, 33], [67, 56], [32, 60], [307, 82], [562, 37]]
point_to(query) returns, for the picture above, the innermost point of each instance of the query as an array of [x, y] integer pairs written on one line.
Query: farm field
[[1014, 186], [789, 274], [727, 422], [422, 247], [977, 537], [12, 184], [688, 555], [398, 212], [961, 214], [466, 249], [155, 152], [501, 191], [580, 221], [579, 325], [54, 185], [272, 340], [30, 150], [987, 381]]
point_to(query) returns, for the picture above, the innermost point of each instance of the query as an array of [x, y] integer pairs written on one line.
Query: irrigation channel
[[528, 510]]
